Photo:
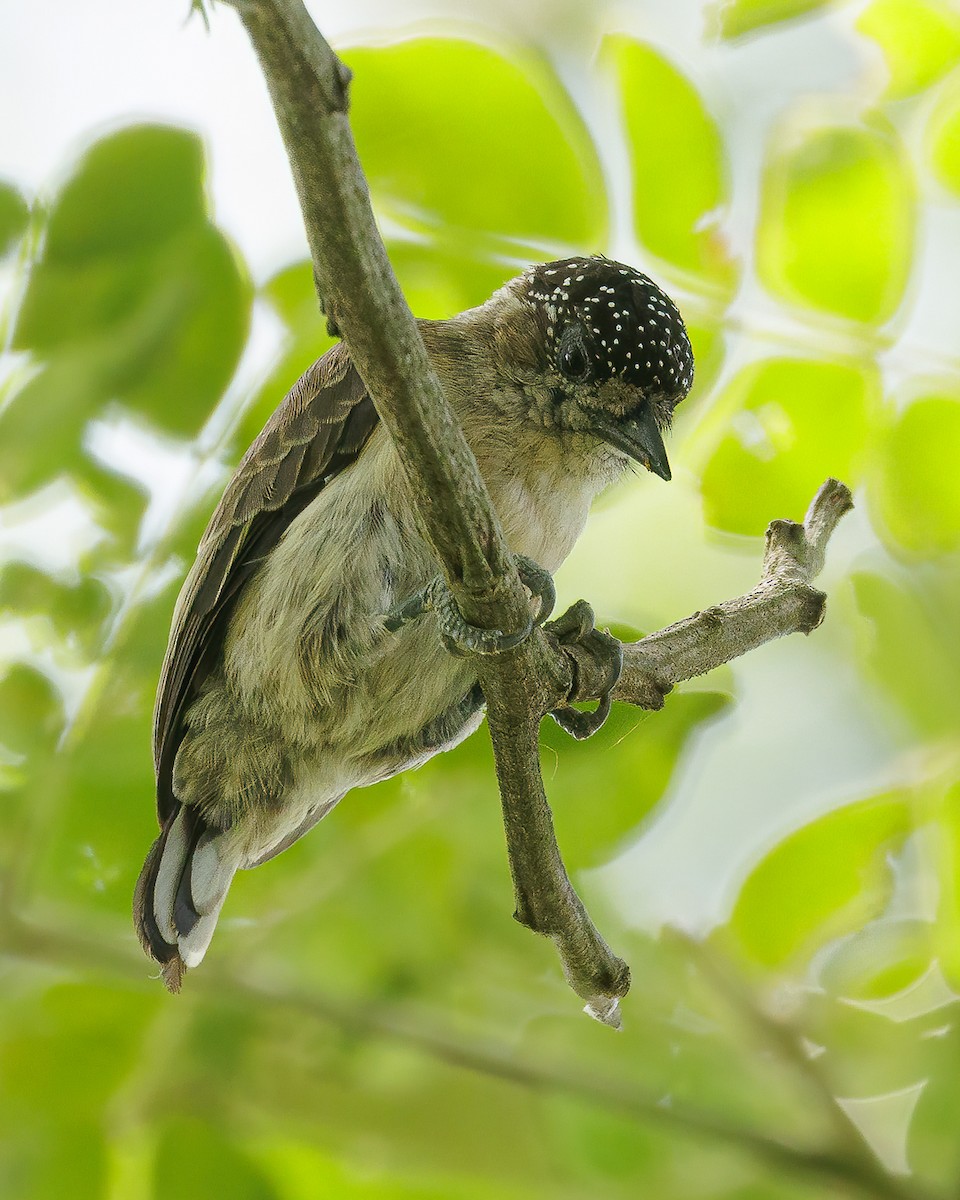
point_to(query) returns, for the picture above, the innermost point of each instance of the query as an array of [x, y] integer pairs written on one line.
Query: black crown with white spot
[[632, 329]]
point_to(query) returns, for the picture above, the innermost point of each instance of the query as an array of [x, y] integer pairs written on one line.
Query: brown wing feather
[[316, 432]]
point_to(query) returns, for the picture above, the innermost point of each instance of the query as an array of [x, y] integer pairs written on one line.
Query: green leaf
[[943, 137], [676, 197], [914, 492], [67, 302], [920, 40], [814, 246], [603, 788], [14, 214], [75, 610], [292, 295], [131, 191], [734, 18], [163, 331], [933, 1150], [457, 98], [908, 639], [184, 345], [826, 879], [870, 1048], [792, 423], [136, 293], [440, 280], [118, 503], [41, 428], [195, 1160], [31, 711], [879, 961], [946, 851]]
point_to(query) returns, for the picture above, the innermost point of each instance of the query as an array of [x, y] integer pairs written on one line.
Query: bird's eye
[[573, 361]]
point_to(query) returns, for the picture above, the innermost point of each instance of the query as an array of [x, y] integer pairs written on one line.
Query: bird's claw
[[539, 583], [410, 610], [461, 639], [576, 628]]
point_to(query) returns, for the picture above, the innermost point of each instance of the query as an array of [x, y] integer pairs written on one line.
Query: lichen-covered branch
[[359, 292], [784, 601]]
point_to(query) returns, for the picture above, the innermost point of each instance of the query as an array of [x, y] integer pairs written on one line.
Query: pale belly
[[311, 669]]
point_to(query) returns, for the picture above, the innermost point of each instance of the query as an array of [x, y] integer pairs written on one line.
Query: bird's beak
[[637, 435]]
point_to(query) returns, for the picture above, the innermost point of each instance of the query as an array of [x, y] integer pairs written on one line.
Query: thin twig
[[783, 602], [848, 1142], [493, 1059]]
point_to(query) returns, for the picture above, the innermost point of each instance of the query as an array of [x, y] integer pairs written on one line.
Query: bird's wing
[[317, 431]]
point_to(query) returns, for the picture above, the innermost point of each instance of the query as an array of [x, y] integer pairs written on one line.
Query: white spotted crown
[[631, 328]]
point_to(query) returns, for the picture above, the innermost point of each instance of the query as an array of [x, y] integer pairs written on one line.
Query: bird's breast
[[542, 517]]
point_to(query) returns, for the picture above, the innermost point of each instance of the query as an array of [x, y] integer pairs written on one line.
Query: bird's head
[[597, 349]]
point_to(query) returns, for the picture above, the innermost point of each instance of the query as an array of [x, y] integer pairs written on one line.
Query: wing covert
[[317, 431]]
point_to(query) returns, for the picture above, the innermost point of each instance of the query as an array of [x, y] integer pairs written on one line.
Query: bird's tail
[[180, 892]]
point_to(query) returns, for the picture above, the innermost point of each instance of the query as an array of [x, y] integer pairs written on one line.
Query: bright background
[[369, 1021]]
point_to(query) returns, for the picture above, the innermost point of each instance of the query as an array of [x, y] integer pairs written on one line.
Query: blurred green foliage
[[779, 919], [678, 225], [792, 422], [14, 213], [920, 41], [814, 245], [458, 99], [370, 1025], [735, 18]]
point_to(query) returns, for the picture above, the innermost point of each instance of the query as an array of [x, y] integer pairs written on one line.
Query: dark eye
[[573, 361]]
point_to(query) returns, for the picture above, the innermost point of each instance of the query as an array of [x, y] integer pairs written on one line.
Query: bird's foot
[[593, 652], [462, 639]]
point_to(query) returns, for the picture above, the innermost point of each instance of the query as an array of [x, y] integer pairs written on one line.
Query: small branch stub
[[783, 602]]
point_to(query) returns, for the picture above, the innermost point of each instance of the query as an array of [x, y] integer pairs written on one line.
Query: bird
[[286, 681]]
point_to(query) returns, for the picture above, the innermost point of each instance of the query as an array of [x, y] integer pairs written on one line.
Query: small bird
[[286, 681]]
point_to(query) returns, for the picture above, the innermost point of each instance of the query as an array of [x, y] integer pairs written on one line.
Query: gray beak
[[638, 436]]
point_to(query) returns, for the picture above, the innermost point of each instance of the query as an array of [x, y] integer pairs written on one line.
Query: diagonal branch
[[360, 294]]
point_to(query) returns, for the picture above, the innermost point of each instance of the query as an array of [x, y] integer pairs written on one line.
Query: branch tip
[[606, 1010], [783, 602], [832, 501], [813, 604]]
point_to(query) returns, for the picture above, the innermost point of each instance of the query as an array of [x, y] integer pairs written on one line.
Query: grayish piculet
[[282, 688]]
